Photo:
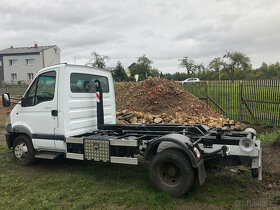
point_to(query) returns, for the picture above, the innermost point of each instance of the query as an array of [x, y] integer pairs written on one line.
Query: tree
[[188, 64], [119, 73], [161, 74], [154, 73], [217, 65], [145, 61], [143, 68], [266, 71], [199, 68], [234, 60], [98, 60]]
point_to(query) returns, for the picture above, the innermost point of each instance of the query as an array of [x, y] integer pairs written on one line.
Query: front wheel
[[171, 171], [23, 150]]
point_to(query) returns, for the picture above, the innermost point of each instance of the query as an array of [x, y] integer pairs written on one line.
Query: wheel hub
[[21, 151], [170, 173]]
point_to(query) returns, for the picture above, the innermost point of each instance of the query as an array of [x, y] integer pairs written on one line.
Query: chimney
[[36, 45], [11, 46]]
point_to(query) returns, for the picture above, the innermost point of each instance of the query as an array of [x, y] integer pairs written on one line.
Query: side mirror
[[23, 102], [6, 99]]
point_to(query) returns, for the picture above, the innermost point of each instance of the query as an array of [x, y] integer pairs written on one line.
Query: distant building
[[21, 64]]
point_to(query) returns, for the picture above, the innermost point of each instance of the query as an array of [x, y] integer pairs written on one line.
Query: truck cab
[[60, 103]]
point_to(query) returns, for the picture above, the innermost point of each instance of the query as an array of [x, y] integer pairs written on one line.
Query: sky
[[163, 30]]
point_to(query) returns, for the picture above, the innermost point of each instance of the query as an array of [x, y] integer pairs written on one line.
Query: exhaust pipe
[[99, 100]]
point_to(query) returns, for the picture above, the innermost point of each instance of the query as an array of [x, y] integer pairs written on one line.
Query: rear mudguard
[[180, 142]]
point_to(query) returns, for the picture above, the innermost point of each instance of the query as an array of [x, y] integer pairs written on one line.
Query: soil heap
[[157, 96]]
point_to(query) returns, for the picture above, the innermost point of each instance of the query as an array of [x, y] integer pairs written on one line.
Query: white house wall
[[50, 57], [21, 69]]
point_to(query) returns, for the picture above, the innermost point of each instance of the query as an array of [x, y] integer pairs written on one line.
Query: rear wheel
[[23, 150], [171, 171]]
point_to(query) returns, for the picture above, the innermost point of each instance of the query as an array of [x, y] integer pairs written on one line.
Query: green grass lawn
[[69, 184]]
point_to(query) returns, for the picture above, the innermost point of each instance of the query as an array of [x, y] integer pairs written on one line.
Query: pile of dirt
[[156, 95]]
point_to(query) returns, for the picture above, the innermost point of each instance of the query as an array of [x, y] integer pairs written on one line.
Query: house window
[[14, 77], [13, 62], [30, 76], [55, 50], [29, 62]]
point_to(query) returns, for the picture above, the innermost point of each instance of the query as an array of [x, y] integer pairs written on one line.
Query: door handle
[[54, 113]]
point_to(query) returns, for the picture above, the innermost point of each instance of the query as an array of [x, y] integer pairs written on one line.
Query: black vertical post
[[206, 91], [99, 99], [240, 100]]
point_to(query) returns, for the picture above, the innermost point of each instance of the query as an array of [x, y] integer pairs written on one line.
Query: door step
[[47, 155]]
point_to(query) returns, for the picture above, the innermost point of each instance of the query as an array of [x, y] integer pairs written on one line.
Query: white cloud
[[163, 30]]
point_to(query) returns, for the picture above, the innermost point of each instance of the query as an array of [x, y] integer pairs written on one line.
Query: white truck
[[70, 110]]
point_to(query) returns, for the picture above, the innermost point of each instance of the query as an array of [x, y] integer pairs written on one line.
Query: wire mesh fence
[[254, 101]]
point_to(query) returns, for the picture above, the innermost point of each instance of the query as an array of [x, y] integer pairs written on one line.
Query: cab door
[[39, 110]]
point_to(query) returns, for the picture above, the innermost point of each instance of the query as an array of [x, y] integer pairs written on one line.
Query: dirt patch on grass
[[271, 163]]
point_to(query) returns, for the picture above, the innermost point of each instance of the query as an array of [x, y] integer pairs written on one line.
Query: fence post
[[206, 90], [240, 101]]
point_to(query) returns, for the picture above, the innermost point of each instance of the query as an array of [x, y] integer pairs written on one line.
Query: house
[[22, 63]]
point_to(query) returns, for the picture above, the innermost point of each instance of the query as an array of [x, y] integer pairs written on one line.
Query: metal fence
[[254, 101]]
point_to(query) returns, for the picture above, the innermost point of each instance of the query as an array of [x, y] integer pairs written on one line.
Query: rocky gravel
[[134, 117]]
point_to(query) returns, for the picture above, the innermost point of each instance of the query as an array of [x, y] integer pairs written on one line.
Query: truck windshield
[[84, 83]]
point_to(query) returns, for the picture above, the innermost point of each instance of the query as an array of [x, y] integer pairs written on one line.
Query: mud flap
[[201, 172]]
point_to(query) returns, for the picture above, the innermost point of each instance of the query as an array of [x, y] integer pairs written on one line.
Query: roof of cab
[[74, 65]]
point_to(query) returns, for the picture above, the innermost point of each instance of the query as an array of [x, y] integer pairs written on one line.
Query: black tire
[[23, 150], [171, 171]]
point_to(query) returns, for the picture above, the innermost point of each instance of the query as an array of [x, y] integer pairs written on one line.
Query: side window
[[42, 89], [84, 83], [30, 97]]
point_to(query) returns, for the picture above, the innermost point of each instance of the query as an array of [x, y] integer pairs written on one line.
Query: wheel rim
[[169, 173], [21, 151]]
